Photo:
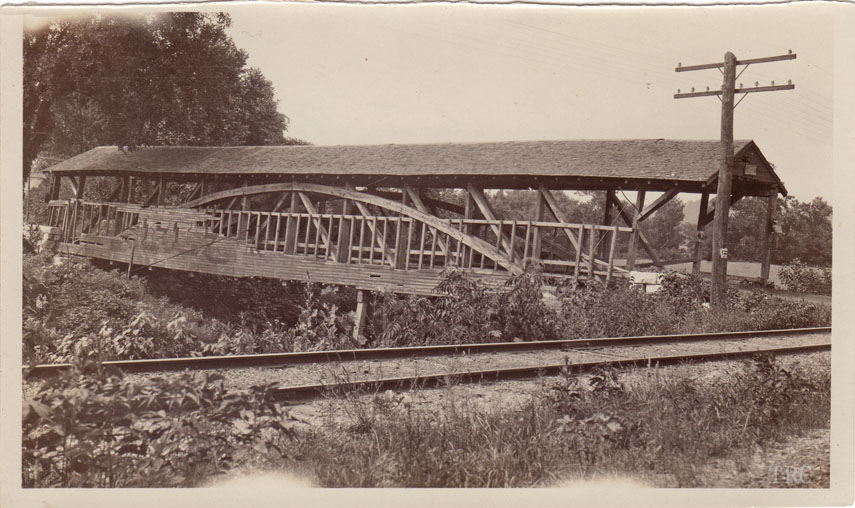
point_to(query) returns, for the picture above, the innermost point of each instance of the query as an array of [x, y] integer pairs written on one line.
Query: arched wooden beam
[[396, 196], [435, 203], [475, 243]]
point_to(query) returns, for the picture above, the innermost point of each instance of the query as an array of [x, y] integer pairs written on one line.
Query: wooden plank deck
[[230, 257]]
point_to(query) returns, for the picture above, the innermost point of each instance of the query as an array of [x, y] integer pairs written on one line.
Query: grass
[[656, 426], [747, 269], [657, 429]]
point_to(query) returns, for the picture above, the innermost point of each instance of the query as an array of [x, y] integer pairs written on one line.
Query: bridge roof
[[503, 164]]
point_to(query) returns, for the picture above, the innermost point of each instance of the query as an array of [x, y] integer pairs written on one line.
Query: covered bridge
[[373, 217]]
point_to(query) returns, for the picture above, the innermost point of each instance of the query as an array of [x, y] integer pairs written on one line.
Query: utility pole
[[725, 174]]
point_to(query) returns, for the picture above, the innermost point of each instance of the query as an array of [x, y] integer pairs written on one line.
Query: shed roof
[[656, 159]]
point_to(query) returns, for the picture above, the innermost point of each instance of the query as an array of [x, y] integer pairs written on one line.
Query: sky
[[466, 73]]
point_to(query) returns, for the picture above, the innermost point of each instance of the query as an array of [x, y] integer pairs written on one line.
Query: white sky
[[464, 73]]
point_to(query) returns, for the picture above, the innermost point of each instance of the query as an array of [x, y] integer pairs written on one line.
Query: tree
[[744, 228], [663, 229], [806, 230], [163, 79]]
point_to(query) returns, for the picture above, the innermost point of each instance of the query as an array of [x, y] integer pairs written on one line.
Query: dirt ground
[[797, 462]]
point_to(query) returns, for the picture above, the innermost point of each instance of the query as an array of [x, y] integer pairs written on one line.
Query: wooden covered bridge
[[373, 217]]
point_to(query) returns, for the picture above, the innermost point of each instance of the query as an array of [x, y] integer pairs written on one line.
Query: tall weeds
[[660, 430], [75, 302]]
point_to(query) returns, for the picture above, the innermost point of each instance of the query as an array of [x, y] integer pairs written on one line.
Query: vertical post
[[400, 241], [578, 266], [468, 210], [722, 205], [328, 250], [318, 226], [765, 232], [607, 220], [72, 226], [128, 189], [80, 185], [362, 239], [383, 243], [291, 227], [421, 246], [343, 252], [537, 251], [131, 257], [244, 206], [362, 304], [55, 184], [614, 234], [592, 238], [511, 250], [160, 192], [699, 235], [373, 240], [633, 237]]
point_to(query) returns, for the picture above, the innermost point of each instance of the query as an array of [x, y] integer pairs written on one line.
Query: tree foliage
[[663, 227], [163, 79], [806, 230]]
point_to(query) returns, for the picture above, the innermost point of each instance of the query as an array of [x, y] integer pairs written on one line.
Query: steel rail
[[284, 359], [313, 391]]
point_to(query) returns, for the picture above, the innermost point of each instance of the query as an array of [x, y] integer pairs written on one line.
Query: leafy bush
[[464, 313], [82, 297], [801, 278], [91, 427], [594, 310], [521, 311], [465, 310], [70, 300], [73, 302], [320, 326]]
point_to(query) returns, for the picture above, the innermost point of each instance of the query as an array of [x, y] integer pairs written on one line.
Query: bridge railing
[[399, 242], [78, 218], [404, 243]]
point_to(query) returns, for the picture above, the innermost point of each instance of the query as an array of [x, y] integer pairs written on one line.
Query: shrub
[[595, 310], [91, 427], [465, 313], [521, 312], [465, 310], [320, 326], [112, 317], [70, 300], [801, 278]]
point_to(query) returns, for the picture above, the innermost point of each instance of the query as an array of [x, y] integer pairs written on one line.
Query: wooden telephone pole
[[725, 174]]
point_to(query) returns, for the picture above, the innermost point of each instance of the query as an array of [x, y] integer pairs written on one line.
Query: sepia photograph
[[318, 247]]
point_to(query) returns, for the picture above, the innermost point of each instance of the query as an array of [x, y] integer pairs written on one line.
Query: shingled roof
[[664, 160]]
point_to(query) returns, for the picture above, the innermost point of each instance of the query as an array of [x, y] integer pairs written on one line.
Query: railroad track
[[546, 356], [311, 391]]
